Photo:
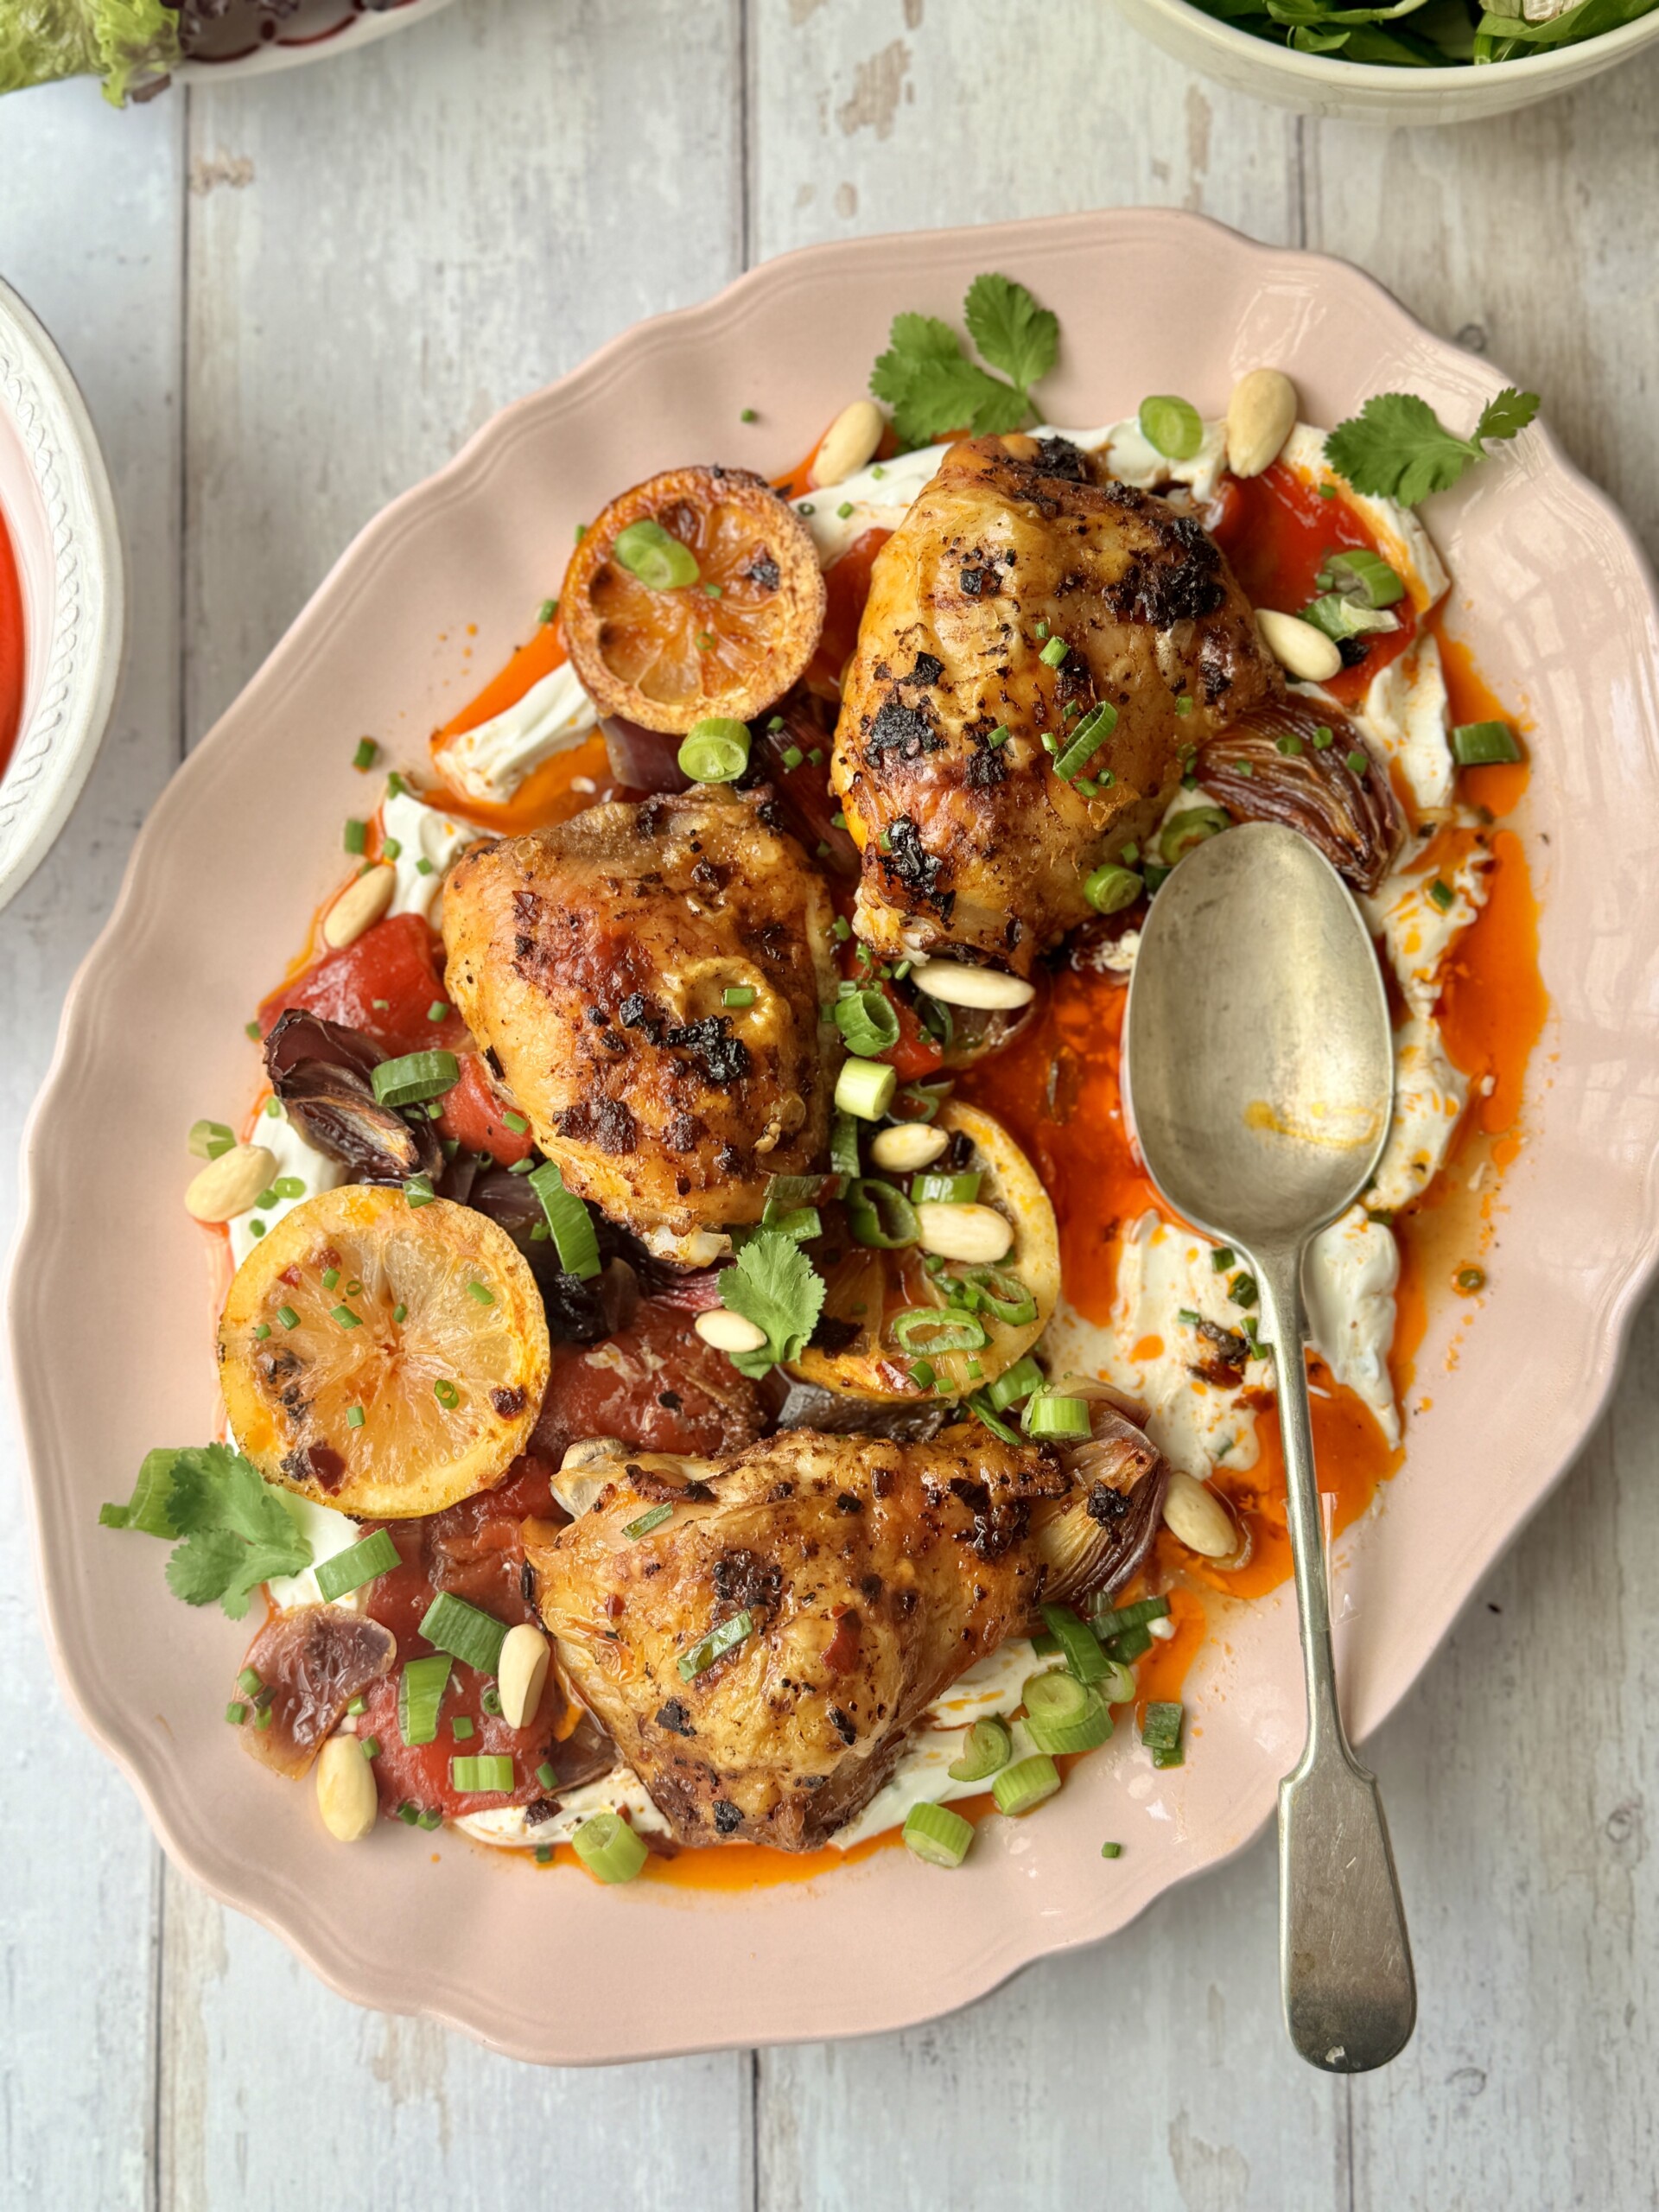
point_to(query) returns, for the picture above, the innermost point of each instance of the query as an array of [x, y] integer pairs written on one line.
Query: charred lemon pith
[[696, 594], [968, 1322], [384, 1358]]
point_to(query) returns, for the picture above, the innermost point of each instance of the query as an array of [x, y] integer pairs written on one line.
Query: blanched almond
[[907, 1147], [359, 907], [1261, 416], [521, 1674], [346, 1796], [1194, 1514], [1299, 649], [976, 1233], [848, 444], [227, 1186], [729, 1331]]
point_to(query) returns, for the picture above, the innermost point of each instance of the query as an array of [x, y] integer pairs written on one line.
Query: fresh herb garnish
[[774, 1284], [932, 386], [1396, 447], [231, 1531]]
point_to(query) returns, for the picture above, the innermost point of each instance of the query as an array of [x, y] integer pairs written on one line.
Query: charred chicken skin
[[759, 1656], [592, 961], [959, 705]]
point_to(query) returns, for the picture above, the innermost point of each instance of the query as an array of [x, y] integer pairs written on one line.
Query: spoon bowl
[[1259, 1072]]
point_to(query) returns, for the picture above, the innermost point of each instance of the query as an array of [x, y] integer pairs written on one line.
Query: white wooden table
[[289, 300]]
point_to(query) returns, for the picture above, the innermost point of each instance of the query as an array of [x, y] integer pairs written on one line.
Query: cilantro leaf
[[933, 388], [1398, 448], [1010, 329], [236, 1531], [774, 1284]]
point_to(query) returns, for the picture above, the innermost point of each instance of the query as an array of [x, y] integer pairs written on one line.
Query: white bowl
[[55, 495], [318, 28], [1324, 84]]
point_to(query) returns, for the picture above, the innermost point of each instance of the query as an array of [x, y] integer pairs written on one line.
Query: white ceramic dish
[[319, 27], [1323, 84], [56, 497], [112, 1329]]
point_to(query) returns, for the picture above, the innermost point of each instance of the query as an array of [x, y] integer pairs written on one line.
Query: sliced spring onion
[[1117, 1685], [357, 836], [1342, 618], [1129, 1644], [1054, 652], [920, 1101], [1481, 744], [1358, 573], [880, 1214], [209, 1139], [987, 1750], [1109, 888], [979, 1405], [738, 995], [1054, 1697], [474, 1638], [990, 1290], [1111, 1851], [548, 1775], [1471, 1279], [461, 1729], [865, 1087], [718, 1641], [843, 1146], [568, 1220], [288, 1316], [867, 1021], [1172, 426], [937, 1835], [931, 1331], [1026, 1784], [1190, 827], [608, 1848], [1086, 740], [236, 1713], [1083, 1656], [370, 1746], [661, 561], [415, 1077], [1113, 1620], [420, 1692], [945, 1190], [490, 1699], [653, 1518], [1160, 1732], [715, 750], [359, 1563], [1086, 1733], [482, 1770], [1049, 1415], [1016, 1383]]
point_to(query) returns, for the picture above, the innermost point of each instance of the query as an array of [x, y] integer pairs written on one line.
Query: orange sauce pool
[[1058, 1087]]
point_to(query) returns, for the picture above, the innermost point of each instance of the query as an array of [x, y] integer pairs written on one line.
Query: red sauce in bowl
[[11, 648]]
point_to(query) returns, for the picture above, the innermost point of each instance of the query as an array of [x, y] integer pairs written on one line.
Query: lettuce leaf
[[121, 41]]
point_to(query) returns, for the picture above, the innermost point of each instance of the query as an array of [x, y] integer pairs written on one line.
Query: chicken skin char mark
[[872, 1574], [979, 845], [592, 961]]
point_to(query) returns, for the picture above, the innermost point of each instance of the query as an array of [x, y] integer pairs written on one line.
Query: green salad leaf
[[1423, 34], [230, 1529], [933, 387], [124, 41]]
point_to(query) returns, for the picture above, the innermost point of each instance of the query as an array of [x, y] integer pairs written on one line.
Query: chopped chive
[[546, 1776], [262, 1719], [878, 472], [1322, 738], [430, 1819], [288, 1316], [1054, 652], [461, 1728], [815, 756], [252, 1029], [1184, 704], [998, 737], [1471, 1279], [330, 1277], [1187, 1315], [249, 1681], [793, 756], [262, 1332], [1111, 1850], [357, 836], [423, 867], [1328, 490], [515, 1122], [581, 532], [446, 1392], [1222, 1258], [438, 1011], [718, 1641], [365, 754], [545, 1851], [345, 1316], [274, 1109], [806, 508], [775, 724], [1289, 743], [236, 1713], [545, 612], [480, 1294], [358, 1707], [289, 1187], [738, 995], [409, 1813], [400, 1313], [490, 1699], [1042, 629], [370, 1746], [255, 1229], [748, 414], [1442, 895], [395, 785], [354, 1416], [1358, 762]]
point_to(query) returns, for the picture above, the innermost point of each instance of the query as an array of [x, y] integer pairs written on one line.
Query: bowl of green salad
[[137, 47], [1410, 61]]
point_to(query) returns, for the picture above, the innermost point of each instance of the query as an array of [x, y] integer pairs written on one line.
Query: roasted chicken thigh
[[1019, 595], [758, 1655], [646, 982]]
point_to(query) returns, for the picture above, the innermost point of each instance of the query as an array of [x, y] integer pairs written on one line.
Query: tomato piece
[[473, 1114], [655, 1386], [916, 1055], [384, 985]]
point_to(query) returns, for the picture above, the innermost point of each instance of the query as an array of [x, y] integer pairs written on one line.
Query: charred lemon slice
[[384, 1358], [962, 1313], [697, 593]]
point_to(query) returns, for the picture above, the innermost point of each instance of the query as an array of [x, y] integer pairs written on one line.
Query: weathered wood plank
[[505, 188], [90, 232]]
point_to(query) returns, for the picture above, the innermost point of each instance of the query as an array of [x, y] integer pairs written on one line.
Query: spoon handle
[[1344, 1958]]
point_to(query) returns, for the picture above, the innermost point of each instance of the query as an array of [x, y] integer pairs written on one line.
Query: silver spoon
[[1259, 1075]]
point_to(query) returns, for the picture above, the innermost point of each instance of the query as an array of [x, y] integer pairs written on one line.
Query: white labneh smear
[[489, 763], [1418, 930], [422, 833], [1429, 1097], [294, 1158], [1401, 539], [327, 1532], [1349, 1280]]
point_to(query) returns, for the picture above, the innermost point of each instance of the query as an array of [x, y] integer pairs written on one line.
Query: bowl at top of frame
[[316, 30], [1359, 92], [59, 512]]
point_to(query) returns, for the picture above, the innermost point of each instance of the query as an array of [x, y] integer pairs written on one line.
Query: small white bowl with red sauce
[[62, 594]]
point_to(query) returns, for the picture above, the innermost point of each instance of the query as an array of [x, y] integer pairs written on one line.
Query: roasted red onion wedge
[[311, 1663], [1290, 761], [1093, 1543], [322, 1072]]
